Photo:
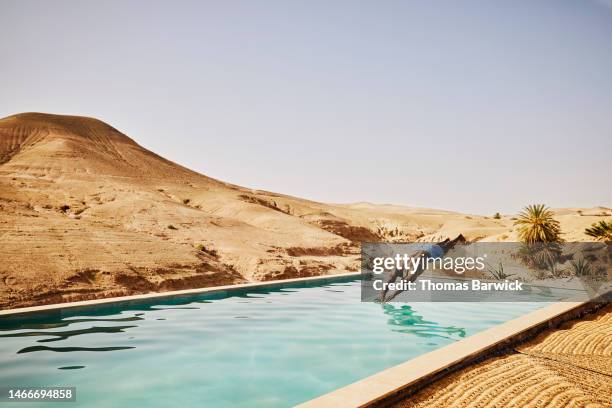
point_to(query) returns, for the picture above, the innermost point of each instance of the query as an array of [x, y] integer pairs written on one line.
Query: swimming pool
[[249, 348]]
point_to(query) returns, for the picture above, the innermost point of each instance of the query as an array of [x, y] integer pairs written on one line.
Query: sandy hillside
[[86, 212]]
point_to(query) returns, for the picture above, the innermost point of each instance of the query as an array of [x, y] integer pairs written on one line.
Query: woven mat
[[567, 367], [517, 381], [586, 343]]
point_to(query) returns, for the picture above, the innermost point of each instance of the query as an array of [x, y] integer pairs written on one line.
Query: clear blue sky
[[474, 106]]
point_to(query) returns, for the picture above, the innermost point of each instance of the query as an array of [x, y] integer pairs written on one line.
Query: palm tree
[[537, 225], [601, 231]]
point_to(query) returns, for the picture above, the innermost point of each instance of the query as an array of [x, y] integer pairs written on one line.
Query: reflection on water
[[63, 335], [404, 319], [69, 349], [53, 323]]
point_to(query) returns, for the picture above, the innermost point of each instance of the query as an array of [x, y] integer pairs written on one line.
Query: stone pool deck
[[570, 366]]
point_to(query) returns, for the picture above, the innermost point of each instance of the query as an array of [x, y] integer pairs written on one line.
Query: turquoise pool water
[[272, 348]]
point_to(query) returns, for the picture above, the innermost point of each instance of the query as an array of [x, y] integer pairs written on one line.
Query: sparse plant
[[540, 255], [497, 216], [601, 231], [202, 248], [498, 272], [536, 224], [172, 227], [554, 268], [581, 267], [541, 274], [601, 271], [186, 201]]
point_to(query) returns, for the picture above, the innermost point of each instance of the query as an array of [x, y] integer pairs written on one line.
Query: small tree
[[540, 234], [537, 225], [601, 231]]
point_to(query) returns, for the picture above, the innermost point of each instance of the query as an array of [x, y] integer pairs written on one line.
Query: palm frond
[[536, 224], [601, 231]]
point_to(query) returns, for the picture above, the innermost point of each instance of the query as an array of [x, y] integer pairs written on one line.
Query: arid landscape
[[86, 212]]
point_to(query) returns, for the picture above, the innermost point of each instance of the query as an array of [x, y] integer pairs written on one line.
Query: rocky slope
[[86, 212]]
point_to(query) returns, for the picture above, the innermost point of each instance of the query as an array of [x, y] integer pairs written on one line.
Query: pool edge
[[196, 291], [393, 384]]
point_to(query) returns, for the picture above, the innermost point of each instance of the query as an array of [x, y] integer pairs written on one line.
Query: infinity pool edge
[[274, 284], [399, 382]]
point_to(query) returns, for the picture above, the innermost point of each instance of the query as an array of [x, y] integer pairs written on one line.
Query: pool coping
[[401, 381], [281, 283]]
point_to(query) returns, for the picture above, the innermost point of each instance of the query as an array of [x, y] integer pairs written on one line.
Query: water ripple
[[63, 335], [70, 349]]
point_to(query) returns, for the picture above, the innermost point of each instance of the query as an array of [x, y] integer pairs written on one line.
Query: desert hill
[[86, 212]]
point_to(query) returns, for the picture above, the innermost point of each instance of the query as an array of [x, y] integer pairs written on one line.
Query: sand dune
[[86, 212]]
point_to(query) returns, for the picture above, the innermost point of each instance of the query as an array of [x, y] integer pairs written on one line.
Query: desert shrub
[[581, 267], [536, 224], [541, 255], [554, 269], [497, 216], [601, 271], [498, 272], [601, 231], [172, 227], [202, 248], [186, 201]]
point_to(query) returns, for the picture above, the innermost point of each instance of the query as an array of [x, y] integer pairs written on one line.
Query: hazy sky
[[477, 106]]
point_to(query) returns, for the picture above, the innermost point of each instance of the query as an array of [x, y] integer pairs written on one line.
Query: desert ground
[[86, 212]]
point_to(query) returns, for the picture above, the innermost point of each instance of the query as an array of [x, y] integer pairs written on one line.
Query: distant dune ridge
[[86, 212]]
